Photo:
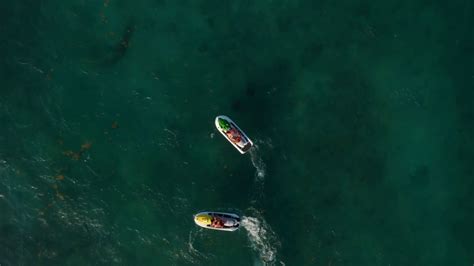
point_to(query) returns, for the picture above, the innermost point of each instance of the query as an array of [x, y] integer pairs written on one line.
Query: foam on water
[[257, 162], [192, 250], [262, 238], [182, 249], [260, 173]]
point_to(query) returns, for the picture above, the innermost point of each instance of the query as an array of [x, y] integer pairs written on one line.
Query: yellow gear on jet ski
[[203, 219]]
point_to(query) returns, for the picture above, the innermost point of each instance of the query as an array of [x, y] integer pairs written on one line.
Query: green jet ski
[[233, 134]]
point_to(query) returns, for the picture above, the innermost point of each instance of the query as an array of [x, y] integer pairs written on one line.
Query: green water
[[362, 113]]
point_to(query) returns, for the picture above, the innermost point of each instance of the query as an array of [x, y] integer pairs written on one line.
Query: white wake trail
[[262, 238], [257, 162]]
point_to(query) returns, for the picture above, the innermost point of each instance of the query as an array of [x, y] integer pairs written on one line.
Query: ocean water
[[362, 113]]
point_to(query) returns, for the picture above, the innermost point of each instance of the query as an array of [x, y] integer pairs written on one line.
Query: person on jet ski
[[217, 223], [234, 135]]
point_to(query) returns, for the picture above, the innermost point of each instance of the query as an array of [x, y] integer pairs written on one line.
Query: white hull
[[244, 145], [230, 218]]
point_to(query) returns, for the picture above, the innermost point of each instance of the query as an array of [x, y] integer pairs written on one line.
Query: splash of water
[[262, 238], [258, 163]]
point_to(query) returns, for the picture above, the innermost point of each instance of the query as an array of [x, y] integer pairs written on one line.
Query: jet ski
[[233, 133], [218, 221]]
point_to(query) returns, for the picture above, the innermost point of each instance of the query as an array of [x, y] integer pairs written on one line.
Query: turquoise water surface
[[362, 115]]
